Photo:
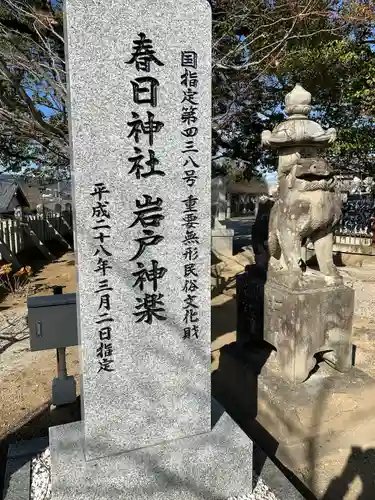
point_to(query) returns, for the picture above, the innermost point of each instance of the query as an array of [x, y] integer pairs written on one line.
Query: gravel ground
[[260, 492], [13, 327], [41, 477], [363, 282], [41, 482], [14, 339]]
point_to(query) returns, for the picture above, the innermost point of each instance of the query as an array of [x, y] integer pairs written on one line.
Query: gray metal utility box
[[52, 321]]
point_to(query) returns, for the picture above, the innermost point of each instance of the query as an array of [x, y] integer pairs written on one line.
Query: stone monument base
[[311, 428], [214, 465]]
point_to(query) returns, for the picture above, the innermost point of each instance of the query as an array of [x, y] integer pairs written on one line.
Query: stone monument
[[219, 187], [305, 311], [140, 129], [221, 237]]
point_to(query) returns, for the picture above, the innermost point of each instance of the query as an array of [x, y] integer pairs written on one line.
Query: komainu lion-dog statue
[[307, 207]]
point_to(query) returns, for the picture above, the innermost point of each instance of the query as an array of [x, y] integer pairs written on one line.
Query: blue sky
[[47, 112], [271, 178], [44, 109]]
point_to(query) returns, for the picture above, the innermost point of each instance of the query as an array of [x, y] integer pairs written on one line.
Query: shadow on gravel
[[361, 464]]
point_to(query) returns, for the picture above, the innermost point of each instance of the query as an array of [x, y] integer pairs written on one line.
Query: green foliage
[[339, 74], [319, 44]]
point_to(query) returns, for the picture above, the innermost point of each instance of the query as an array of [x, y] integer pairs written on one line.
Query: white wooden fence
[[13, 235], [351, 244], [360, 241]]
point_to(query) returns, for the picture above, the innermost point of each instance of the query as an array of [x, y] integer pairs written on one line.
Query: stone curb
[[273, 477], [17, 478]]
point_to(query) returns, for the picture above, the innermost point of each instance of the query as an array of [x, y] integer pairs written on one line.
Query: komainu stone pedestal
[[211, 465], [305, 320], [250, 304], [311, 428]]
